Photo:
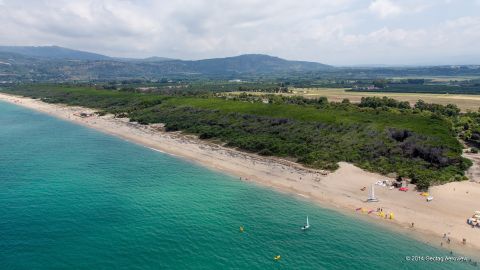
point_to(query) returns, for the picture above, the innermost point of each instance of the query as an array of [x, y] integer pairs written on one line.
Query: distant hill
[[253, 63], [156, 59], [152, 59], [57, 63], [53, 52], [247, 63]]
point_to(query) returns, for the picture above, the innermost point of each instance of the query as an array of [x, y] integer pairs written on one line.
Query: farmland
[[464, 102]]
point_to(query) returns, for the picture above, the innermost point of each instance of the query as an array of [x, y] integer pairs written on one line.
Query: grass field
[[440, 78], [464, 102]]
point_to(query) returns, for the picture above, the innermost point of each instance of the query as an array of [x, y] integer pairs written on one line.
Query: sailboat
[[371, 197], [306, 226]]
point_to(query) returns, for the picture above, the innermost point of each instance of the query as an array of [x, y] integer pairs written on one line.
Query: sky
[[336, 32]]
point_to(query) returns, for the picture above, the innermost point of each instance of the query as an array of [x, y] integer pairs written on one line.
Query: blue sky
[[340, 32]]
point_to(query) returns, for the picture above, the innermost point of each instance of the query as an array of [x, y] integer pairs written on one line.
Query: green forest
[[417, 141]]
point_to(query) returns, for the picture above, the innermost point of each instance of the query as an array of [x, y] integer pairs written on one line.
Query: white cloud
[[385, 8], [335, 32]]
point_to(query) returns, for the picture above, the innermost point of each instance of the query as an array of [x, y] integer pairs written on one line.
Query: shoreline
[[339, 190]]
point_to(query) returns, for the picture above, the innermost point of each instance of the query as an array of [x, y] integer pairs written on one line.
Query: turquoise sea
[[74, 198]]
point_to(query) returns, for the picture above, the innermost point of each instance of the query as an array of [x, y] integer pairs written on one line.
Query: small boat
[[371, 197], [276, 258], [306, 226]]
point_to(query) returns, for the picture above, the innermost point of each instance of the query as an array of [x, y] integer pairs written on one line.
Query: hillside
[[54, 64], [57, 63], [253, 63], [52, 52]]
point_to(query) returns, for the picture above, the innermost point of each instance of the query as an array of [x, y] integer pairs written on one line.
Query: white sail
[[306, 226]]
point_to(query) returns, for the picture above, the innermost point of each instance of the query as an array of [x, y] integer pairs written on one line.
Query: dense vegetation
[[381, 135], [466, 86]]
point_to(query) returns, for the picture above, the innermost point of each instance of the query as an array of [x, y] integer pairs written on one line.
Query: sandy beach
[[342, 190]]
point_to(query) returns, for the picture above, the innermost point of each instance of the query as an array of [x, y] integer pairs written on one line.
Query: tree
[[380, 83]]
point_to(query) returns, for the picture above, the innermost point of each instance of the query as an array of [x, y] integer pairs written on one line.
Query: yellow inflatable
[[276, 258]]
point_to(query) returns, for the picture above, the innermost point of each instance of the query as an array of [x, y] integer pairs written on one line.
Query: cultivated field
[[464, 102]]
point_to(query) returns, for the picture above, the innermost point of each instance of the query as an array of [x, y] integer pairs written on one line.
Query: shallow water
[[74, 198]]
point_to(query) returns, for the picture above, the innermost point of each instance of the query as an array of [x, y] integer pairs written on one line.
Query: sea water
[[74, 198]]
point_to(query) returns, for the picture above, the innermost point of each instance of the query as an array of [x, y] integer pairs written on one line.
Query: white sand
[[453, 203]]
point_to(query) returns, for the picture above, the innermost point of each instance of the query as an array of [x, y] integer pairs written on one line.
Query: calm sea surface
[[74, 198]]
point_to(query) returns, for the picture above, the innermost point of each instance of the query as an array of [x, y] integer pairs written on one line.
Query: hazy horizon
[[231, 56], [340, 33]]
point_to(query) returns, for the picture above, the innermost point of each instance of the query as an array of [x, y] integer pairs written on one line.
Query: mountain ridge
[[53, 52], [63, 63], [57, 52]]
